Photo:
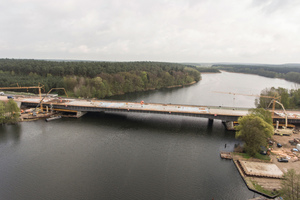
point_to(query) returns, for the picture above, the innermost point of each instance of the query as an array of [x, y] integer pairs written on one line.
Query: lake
[[132, 156]]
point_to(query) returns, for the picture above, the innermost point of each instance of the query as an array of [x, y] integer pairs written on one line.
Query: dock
[[226, 155]]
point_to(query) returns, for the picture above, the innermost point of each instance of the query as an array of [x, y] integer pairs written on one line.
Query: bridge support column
[[80, 114], [210, 122], [229, 125]]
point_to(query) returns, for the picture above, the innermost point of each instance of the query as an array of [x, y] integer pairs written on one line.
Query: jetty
[[226, 155]]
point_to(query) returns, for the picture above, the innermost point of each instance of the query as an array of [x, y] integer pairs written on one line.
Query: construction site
[[268, 174], [284, 146], [47, 104]]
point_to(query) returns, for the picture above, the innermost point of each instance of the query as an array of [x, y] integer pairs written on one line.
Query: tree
[[264, 102], [264, 114], [116, 77], [290, 185], [9, 112], [254, 131], [13, 111], [2, 112], [284, 94]]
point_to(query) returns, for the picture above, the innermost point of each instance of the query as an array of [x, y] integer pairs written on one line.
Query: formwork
[[260, 169]]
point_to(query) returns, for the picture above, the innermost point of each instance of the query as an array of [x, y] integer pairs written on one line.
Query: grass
[[257, 155], [259, 188], [262, 157], [244, 155]]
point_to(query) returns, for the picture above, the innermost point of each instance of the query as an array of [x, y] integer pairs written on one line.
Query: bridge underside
[[69, 108], [211, 114]]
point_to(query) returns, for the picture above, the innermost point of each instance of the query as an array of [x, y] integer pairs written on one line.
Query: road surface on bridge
[[142, 106], [87, 105]]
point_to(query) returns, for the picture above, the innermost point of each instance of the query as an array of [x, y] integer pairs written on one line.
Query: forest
[[289, 98], [90, 79], [287, 72], [205, 69]]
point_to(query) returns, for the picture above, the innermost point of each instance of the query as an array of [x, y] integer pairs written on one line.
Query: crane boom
[[40, 87], [41, 102], [285, 113], [255, 95]]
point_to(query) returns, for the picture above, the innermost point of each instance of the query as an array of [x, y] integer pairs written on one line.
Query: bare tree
[[290, 185]]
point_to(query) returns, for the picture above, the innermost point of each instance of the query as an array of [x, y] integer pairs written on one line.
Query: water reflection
[[130, 155], [10, 133]]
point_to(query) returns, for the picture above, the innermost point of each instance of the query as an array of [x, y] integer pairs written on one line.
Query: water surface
[[131, 156]]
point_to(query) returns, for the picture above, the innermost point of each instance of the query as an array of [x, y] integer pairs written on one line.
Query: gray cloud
[[176, 31]]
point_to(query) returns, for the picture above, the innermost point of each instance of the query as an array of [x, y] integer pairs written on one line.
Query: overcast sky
[[248, 31]]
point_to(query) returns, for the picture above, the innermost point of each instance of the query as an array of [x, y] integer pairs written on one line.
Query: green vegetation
[[262, 113], [289, 99], [254, 131], [287, 72], [259, 188], [290, 185], [206, 69], [257, 155], [96, 79], [9, 112], [262, 157]]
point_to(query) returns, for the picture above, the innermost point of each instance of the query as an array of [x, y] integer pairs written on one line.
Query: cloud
[[176, 31]]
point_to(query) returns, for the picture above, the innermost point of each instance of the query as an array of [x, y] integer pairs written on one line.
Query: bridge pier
[[210, 122], [229, 125], [80, 114]]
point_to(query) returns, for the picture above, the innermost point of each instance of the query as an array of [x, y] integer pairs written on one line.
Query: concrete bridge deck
[[85, 105], [71, 105], [210, 112]]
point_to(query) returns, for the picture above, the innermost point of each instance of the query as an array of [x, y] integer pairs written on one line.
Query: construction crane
[[41, 102], [274, 98], [40, 87], [285, 113]]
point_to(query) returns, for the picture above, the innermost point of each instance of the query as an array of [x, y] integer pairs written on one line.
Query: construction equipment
[[285, 113], [40, 87], [41, 102], [284, 130], [274, 98]]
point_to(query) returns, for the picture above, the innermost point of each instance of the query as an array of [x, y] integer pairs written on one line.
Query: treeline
[[208, 70], [289, 98], [289, 73], [96, 79], [203, 69], [9, 112]]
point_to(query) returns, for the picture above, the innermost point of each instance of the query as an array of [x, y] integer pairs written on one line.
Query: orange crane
[[274, 98], [41, 102], [40, 87]]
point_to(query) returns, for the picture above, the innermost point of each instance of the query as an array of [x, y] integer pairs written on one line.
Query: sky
[[207, 31]]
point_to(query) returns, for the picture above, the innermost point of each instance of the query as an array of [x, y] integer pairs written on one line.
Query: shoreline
[[177, 86], [247, 180], [150, 89], [259, 75], [210, 72]]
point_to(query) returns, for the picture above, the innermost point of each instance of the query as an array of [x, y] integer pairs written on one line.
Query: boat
[[52, 118]]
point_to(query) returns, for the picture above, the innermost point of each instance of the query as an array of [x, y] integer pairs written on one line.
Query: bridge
[[80, 106]]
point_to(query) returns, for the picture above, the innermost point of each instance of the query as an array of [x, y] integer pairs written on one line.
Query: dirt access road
[[286, 151]]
